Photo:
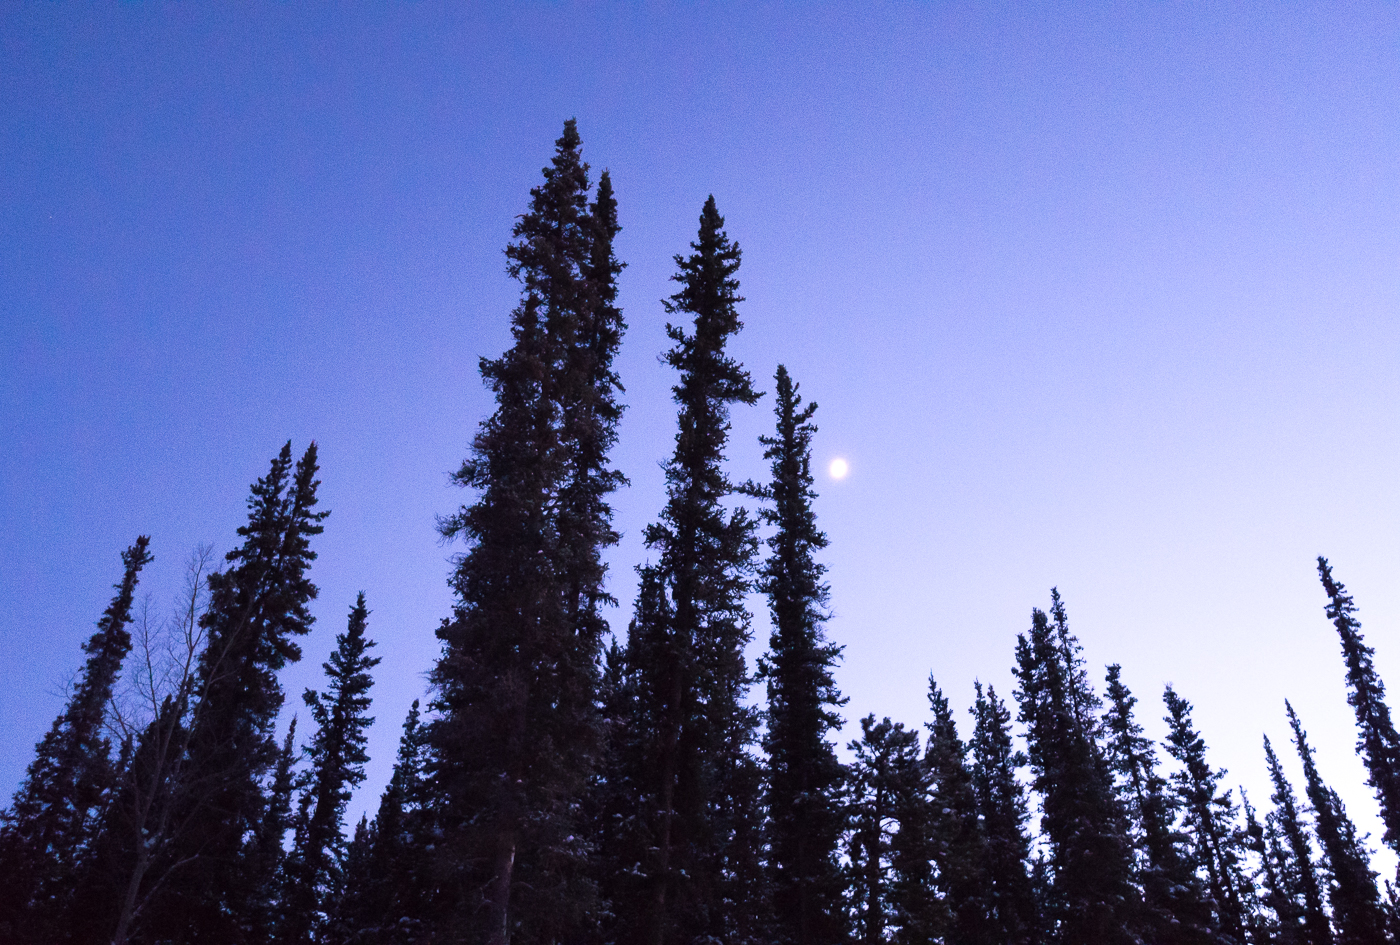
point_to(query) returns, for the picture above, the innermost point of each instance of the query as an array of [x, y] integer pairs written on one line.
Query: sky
[[1094, 296]]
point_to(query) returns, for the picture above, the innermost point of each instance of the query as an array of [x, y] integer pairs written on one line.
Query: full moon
[[838, 469]]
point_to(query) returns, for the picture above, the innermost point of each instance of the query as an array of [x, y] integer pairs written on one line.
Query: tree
[[1377, 741], [1175, 904], [1001, 804], [1210, 815], [693, 843], [804, 776], [1356, 905], [888, 851], [385, 898], [960, 846], [267, 852], [204, 761], [138, 828], [337, 755], [1299, 885], [1093, 900], [516, 740], [47, 835]]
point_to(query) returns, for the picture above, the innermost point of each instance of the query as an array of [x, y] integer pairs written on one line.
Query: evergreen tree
[[1377, 741], [1175, 905], [1356, 905], [959, 843], [1093, 901], [1262, 840], [337, 755], [1001, 804], [693, 840], [1210, 815], [1298, 881], [47, 834], [804, 776], [918, 915], [887, 849], [191, 876], [345, 921], [516, 740], [387, 885], [267, 851]]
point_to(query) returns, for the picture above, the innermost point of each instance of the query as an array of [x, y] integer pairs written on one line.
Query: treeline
[[563, 787]]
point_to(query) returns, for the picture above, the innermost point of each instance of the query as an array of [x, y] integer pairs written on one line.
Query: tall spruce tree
[[1357, 915], [516, 740], [1377, 741], [1176, 908], [1299, 881], [314, 872], [1001, 804], [46, 836], [1210, 816], [692, 842], [959, 843], [1093, 901], [187, 866], [805, 778]]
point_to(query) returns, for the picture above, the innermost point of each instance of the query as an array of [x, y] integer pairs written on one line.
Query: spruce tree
[[337, 755], [516, 740], [1264, 842], [692, 841], [1299, 880], [804, 776], [46, 836], [888, 854], [387, 888], [1093, 901], [1377, 741], [960, 845], [1001, 805], [187, 870], [267, 852], [1176, 909], [1210, 815], [1356, 905], [918, 914]]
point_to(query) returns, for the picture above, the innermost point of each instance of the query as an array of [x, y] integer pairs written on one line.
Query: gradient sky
[[1097, 296]]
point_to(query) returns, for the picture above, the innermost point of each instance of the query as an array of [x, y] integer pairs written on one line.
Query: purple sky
[[1103, 298]]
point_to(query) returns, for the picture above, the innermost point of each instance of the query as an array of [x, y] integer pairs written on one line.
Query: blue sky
[[1101, 296]]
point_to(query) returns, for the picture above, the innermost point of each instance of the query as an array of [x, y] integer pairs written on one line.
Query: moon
[[838, 468]]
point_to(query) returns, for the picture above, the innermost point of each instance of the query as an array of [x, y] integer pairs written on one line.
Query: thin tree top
[[710, 292]]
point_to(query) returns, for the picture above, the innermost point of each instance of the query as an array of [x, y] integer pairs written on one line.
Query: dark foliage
[[805, 818], [1356, 907], [1001, 805], [1176, 908], [1092, 899], [689, 861], [1377, 741], [1296, 889], [516, 739], [1210, 817], [47, 836], [314, 873], [889, 853], [965, 914]]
